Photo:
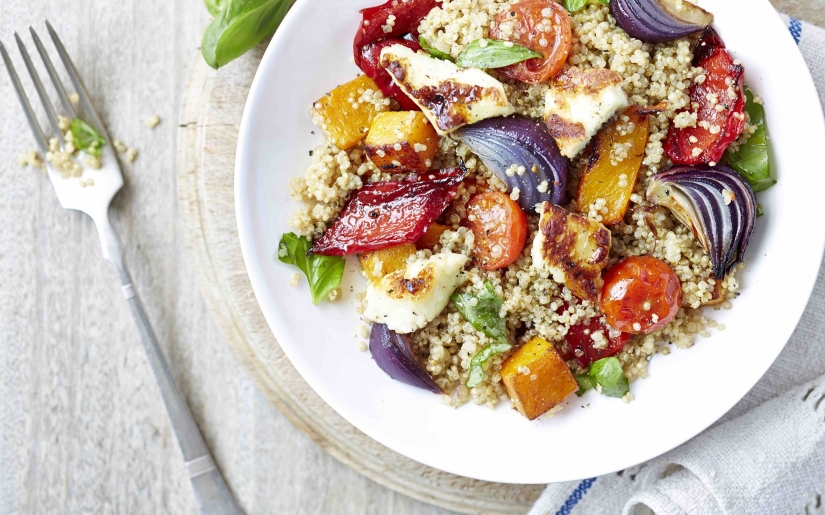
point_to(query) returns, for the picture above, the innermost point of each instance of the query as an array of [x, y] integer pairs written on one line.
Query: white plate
[[686, 391]]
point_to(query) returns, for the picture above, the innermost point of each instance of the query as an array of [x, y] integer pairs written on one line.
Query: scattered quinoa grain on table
[[152, 121]]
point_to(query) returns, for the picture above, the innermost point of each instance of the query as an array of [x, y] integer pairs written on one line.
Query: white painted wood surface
[[82, 427], [210, 119]]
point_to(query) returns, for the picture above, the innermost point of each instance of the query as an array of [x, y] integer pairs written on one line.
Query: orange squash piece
[[432, 237], [343, 124], [537, 378], [609, 176], [378, 263], [402, 139]]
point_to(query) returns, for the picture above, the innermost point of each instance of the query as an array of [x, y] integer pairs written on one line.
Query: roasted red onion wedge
[[391, 351], [716, 203], [504, 142], [655, 21]]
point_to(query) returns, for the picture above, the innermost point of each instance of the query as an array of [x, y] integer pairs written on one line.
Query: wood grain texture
[[210, 120], [82, 426]]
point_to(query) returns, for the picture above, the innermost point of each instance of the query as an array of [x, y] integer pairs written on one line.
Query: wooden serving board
[[210, 118]]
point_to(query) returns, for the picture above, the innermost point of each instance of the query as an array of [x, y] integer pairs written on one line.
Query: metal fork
[[211, 492]]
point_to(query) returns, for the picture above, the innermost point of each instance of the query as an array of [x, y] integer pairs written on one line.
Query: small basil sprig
[[585, 383], [577, 5], [238, 26], [606, 376], [574, 5], [495, 54], [215, 6], [751, 158], [482, 310], [86, 138], [438, 54], [323, 273]]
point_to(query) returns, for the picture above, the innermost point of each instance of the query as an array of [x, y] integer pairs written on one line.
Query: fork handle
[[211, 492]]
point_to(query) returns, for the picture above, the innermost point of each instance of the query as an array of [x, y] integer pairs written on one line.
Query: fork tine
[[24, 101], [41, 91], [58, 84], [77, 82]]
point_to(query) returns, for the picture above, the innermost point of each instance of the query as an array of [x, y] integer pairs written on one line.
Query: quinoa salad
[[542, 196]]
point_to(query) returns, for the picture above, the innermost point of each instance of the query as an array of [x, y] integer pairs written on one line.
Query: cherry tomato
[[640, 295], [540, 25], [580, 342], [500, 229]]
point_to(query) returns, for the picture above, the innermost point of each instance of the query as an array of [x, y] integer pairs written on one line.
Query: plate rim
[[255, 270]]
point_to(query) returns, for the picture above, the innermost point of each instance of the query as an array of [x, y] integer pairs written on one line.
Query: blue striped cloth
[[678, 490]]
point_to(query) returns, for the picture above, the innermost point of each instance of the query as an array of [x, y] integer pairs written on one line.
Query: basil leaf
[[86, 138], [323, 273], [751, 159], [585, 383], [438, 54], [482, 311], [239, 26], [609, 378], [494, 55], [605, 2], [574, 5], [759, 210], [477, 363], [215, 6]]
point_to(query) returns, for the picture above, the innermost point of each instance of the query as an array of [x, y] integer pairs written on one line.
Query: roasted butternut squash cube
[[378, 263], [537, 378], [342, 118], [615, 159], [402, 139], [431, 237]]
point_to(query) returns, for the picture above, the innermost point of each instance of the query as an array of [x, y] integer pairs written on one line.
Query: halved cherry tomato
[[721, 120], [540, 25], [580, 342], [500, 229], [641, 294]]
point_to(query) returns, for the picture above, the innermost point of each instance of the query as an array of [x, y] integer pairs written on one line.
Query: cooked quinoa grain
[[535, 305]]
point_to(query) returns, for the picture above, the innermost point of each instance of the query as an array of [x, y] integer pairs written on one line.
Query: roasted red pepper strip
[[370, 65], [723, 80], [389, 213], [408, 14]]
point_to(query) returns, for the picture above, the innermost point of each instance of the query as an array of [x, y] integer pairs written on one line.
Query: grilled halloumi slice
[[448, 95], [573, 248], [578, 103], [409, 299]]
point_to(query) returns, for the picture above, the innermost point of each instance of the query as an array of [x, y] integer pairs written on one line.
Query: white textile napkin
[[764, 457]]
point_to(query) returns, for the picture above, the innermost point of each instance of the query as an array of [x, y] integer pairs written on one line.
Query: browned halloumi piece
[[578, 103], [410, 298], [573, 248], [449, 96]]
